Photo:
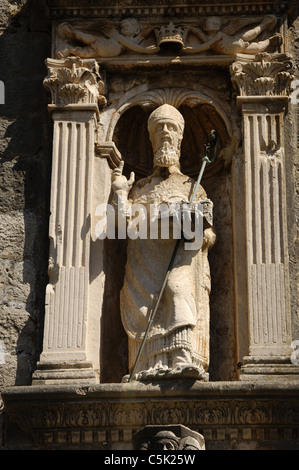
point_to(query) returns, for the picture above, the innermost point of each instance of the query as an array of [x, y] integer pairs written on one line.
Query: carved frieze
[[213, 35], [192, 413], [90, 418]]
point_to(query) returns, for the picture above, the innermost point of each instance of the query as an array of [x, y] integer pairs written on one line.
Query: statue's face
[[166, 131], [166, 137]]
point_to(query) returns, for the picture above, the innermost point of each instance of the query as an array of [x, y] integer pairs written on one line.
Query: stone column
[[263, 86], [70, 335]]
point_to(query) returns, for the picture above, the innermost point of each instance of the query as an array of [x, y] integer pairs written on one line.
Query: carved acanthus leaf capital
[[268, 75], [73, 81]]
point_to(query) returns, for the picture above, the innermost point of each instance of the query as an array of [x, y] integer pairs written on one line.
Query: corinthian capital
[[74, 81], [267, 75]]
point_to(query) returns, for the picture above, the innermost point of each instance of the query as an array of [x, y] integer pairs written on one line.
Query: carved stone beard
[[167, 155]]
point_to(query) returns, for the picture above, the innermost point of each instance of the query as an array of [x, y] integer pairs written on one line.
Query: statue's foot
[[153, 373], [189, 371], [184, 371]]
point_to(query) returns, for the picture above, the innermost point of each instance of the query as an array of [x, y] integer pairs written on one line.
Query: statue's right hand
[[119, 181]]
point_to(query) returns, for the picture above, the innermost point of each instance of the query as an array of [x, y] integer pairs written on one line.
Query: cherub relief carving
[[222, 43], [109, 43], [131, 37]]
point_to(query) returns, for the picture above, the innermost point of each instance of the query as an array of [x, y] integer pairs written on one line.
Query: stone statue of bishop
[[177, 345]]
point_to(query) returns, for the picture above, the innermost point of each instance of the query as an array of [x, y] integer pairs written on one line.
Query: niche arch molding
[[202, 113]]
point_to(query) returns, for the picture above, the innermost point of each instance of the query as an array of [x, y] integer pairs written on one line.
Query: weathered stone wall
[[25, 158]]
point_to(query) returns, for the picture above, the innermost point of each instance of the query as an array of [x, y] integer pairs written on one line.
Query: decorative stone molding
[[109, 150], [119, 8], [107, 416]]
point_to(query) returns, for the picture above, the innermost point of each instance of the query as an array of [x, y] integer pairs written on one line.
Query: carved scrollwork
[[287, 413], [126, 414], [46, 420], [254, 413], [170, 413], [52, 417], [85, 416], [212, 413]]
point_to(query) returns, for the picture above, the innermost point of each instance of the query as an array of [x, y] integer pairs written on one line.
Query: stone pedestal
[[227, 415], [67, 355]]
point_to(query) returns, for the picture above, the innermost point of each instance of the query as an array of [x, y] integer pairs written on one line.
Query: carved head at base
[[169, 437]]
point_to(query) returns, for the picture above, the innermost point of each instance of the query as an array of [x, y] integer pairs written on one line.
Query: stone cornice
[[97, 414], [183, 389], [139, 8], [135, 63]]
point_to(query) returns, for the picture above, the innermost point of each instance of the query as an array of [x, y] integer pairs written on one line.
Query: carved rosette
[[73, 81], [268, 75]]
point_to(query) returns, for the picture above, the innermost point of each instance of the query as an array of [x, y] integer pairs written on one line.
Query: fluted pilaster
[[263, 86], [75, 88]]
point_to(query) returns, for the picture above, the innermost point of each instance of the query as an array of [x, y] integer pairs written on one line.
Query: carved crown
[[171, 34]]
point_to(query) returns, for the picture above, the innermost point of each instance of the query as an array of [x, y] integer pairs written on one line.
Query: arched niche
[[199, 121], [130, 136]]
